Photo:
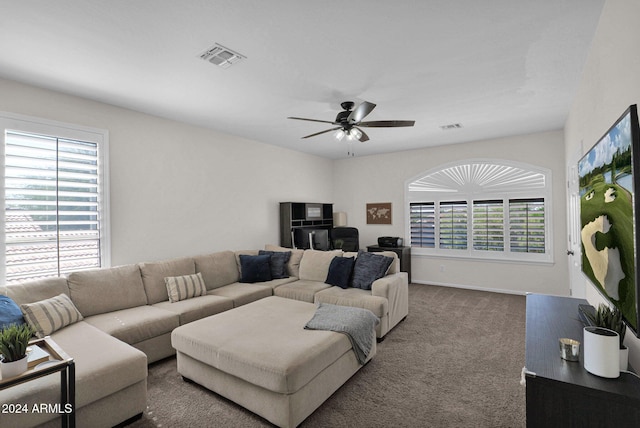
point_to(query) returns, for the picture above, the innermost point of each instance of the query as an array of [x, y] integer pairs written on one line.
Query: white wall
[[382, 178], [179, 190], [610, 83]]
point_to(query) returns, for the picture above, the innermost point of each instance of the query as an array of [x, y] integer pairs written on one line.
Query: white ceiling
[[498, 67]]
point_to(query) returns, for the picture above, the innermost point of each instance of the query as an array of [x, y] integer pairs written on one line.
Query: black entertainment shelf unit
[[563, 393], [305, 216]]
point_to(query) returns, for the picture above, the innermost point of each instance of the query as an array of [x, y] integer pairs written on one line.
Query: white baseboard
[[471, 287]]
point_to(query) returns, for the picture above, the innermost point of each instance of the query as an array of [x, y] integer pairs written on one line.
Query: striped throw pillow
[[49, 315], [185, 287]]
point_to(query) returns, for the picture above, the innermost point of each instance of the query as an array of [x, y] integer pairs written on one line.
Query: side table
[[59, 362], [404, 254]]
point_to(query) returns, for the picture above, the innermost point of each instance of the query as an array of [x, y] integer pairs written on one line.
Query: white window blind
[[52, 206], [423, 224], [488, 225], [526, 225], [453, 225]]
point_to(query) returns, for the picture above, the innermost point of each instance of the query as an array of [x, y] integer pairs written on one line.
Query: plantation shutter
[[488, 225], [423, 224], [52, 222], [526, 225], [453, 225]]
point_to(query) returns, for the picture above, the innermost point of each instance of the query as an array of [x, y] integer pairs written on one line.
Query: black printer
[[390, 241]]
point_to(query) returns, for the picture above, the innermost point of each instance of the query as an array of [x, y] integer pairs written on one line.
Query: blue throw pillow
[[367, 268], [340, 271], [10, 312], [279, 260], [255, 268]]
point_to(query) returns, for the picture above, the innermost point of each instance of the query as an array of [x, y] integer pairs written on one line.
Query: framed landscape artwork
[[379, 213], [609, 175]]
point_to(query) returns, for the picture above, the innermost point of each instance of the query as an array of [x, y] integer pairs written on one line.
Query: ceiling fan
[[349, 122]]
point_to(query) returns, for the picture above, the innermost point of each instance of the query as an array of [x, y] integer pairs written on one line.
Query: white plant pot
[[624, 359], [601, 352], [14, 368]]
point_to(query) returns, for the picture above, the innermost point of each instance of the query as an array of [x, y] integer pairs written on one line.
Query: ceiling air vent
[[221, 56], [451, 126]]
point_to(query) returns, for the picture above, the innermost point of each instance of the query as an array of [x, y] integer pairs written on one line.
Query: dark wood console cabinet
[[404, 254], [562, 393]]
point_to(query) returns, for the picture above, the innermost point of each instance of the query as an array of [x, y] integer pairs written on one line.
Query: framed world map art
[[379, 213]]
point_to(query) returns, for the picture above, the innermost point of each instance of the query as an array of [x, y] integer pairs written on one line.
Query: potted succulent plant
[[611, 318], [13, 347]]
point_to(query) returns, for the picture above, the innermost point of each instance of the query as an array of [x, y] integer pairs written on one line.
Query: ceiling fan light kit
[[352, 134], [349, 122]]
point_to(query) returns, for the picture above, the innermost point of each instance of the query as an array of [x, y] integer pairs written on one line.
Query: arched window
[[481, 208]]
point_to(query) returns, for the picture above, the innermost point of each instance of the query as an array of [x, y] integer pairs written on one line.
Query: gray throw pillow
[[279, 260], [367, 268]]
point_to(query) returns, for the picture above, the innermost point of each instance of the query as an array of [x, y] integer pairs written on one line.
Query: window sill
[[542, 259]]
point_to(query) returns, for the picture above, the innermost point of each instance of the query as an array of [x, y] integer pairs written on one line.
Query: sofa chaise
[[128, 316]]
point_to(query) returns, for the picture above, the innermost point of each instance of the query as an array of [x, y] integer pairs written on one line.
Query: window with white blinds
[[526, 225], [488, 225], [481, 209], [54, 210], [453, 225], [423, 224]]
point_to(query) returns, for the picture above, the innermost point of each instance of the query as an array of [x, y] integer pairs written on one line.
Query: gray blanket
[[357, 323]]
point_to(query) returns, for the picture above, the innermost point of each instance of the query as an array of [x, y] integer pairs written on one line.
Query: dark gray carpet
[[454, 362]]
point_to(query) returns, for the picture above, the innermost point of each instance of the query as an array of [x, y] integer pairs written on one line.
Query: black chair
[[345, 238]]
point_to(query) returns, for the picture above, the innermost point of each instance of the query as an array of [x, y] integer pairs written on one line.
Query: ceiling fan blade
[[322, 132], [363, 136], [361, 111], [310, 120], [387, 123]]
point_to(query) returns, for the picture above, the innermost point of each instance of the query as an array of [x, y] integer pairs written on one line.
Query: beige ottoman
[[260, 356]]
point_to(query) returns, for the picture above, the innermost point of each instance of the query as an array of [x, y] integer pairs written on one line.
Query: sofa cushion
[[35, 290], [275, 283], [314, 265], [98, 291], [293, 266], [199, 307], [367, 268], [340, 271], [354, 297], [10, 312], [103, 366], [303, 290], [278, 262], [242, 293], [255, 268], [135, 325], [185, 287], [153, 275], [218, 269], [49, 315]]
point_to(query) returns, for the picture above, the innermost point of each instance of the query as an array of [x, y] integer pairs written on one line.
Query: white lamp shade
[[339, 219]]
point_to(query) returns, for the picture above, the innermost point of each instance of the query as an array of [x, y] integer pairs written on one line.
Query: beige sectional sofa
[[128, 320]]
